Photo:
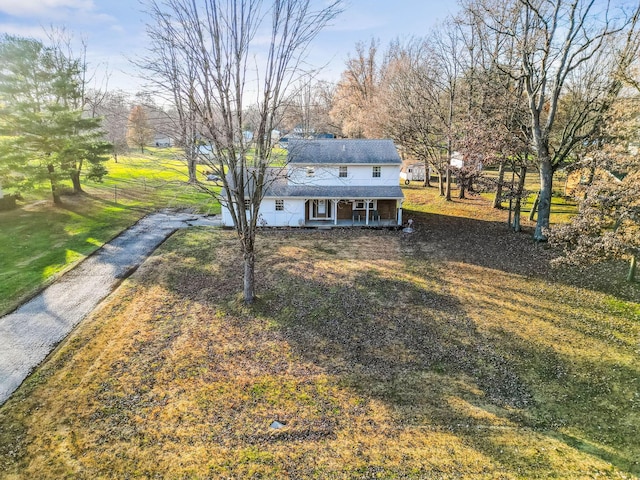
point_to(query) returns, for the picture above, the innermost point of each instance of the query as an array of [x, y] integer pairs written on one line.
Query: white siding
[[227, 220], [357, 175], [291, 216]]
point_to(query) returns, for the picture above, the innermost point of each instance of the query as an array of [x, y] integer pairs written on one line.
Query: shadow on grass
[[416, 349], [493, 245], [428, 358]]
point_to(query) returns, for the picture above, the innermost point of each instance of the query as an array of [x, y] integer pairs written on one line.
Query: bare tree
[[308, 108], [409, 114], [174, 79], [444, 55], [114, 108], [356, 95], [497, 126], [139, 131], [216, 41], [575, 47]]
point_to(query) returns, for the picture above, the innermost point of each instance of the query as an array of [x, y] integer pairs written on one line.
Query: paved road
[[28, 334]]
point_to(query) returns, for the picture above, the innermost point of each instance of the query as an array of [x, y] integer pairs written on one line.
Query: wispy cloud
[[28, 31], [45, 8]]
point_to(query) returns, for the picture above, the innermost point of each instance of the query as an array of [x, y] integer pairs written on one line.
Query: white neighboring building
[[333, 182]]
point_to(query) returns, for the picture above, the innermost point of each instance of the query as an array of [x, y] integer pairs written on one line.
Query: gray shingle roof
[[337, 151]]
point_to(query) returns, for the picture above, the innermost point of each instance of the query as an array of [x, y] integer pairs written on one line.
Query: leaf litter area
[[453, 352]]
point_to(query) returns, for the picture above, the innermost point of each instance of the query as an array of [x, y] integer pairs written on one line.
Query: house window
[[376, 172], [361, 205], [279, 205], [247, 204], [311, 171], [342, 172]]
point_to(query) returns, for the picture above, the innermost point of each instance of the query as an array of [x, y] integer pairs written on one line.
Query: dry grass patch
[[384, 356]]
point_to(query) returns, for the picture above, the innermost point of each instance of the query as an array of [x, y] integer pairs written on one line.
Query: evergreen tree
[[46, 137]]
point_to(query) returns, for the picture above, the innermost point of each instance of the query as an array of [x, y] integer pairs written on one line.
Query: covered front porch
[[336, 212], [351, 223]]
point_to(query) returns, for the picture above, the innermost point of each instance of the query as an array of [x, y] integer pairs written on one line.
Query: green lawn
[[562, 208], [453, 352], [39, 240]]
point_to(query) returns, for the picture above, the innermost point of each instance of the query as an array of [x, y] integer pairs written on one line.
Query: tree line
[[516, 85], [519, 85]]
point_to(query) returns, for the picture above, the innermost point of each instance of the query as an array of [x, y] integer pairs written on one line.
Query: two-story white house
[[334, 182]]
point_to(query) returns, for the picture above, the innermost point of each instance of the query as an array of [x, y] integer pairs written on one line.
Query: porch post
[[366, 210], [335, 211], [399, 213]]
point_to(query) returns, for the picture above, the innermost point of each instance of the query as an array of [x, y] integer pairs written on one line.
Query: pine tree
[[46, 137]]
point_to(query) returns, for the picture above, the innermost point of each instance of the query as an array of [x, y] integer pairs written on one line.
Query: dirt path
[[28, 334]]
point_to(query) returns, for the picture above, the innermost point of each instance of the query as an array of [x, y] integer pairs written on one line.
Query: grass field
[[40, 240], [453, 352]]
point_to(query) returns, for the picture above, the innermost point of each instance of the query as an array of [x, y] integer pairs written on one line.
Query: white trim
[[328, 209]]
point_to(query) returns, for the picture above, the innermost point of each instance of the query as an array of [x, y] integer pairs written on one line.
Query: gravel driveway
[[28, 334]]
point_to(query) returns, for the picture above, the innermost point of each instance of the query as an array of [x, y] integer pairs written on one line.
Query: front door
[[320, 209]]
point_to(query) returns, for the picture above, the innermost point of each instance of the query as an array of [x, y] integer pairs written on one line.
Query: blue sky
[[115, 29]]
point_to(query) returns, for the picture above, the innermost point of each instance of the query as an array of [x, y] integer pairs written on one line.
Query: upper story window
[[279, 205], [376, 172], [342, 172], [247, 204], [311, 171]]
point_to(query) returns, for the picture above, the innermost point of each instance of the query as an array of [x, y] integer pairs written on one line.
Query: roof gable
[[339, 151]]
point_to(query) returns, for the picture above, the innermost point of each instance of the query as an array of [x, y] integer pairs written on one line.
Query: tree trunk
[[447, 193], [544, 201], [193, 172], [192, 168], [54, 186], [497, 201], [631, 276], [75, 179], [518, 206], [249, 277], [427, 178], [462, 183], [441, 183], [115, 157]]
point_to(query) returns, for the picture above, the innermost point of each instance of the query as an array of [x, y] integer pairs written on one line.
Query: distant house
[[457, 160], [414, 172], [333, 183], [284, 141], [206, 151], [161, 140]]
